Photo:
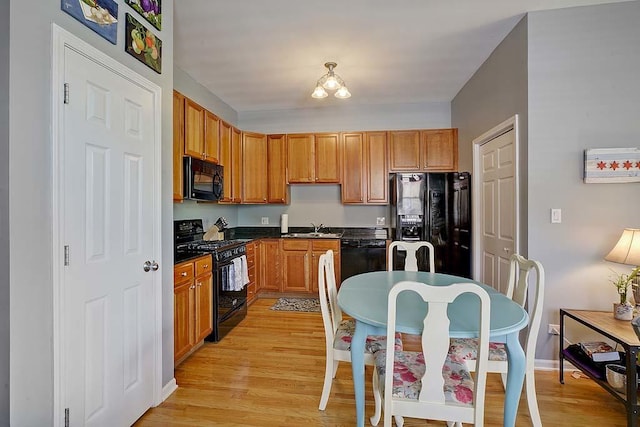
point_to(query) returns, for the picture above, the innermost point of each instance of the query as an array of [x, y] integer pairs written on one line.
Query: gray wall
[[4, 213], [584, 92], [30, 213], [496, 92], [572, 78]]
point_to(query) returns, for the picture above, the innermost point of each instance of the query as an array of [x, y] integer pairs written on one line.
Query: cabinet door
[[377, 169], [183, 320], [320, 247], [404, 150], [194, 129], [254, 155], [178, 144], [211, 137], [236, 165], [353, 168], [440, 150], [277, 169], [252, 286], [327, 158], [204, 307], [225, 161], [270, 265], [300, 154], [296, 267]]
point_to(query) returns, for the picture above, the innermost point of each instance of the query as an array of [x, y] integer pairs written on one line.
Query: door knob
[[150, 265]]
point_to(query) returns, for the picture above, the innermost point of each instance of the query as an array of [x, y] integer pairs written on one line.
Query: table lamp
[[627, 251]]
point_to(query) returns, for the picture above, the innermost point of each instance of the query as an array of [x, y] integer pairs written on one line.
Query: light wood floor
[[269, 372]]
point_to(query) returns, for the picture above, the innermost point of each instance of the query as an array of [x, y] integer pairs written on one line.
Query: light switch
[[556, 216]]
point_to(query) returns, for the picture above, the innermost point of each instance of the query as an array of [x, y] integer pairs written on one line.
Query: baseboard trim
[[169, 388], [551, 365]]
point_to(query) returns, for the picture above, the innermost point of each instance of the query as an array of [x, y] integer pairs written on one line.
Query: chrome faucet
[[316, 228]]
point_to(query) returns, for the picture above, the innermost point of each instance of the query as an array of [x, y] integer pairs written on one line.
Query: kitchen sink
[[314, 235]]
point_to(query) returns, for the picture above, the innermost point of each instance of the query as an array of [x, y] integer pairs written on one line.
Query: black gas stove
[[189, 243]]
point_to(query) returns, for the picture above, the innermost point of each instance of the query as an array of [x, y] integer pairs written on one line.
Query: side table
[[622, 333]]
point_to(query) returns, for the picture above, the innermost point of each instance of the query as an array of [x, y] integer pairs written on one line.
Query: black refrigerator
[[435, 207]]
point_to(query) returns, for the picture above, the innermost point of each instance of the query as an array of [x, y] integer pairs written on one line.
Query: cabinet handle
[[199, 284], [192, 287], [183, 274], [205, 266]]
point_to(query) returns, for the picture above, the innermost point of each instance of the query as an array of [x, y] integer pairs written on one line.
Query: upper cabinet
[[277, 191], [439, 149], [254, 159], [178, 144], [364, 168], [211, 137], [313, 158], [202, 139], [194, 129], [423, 150]]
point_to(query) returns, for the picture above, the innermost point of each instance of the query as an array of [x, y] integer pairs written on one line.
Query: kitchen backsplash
[[309, 204]]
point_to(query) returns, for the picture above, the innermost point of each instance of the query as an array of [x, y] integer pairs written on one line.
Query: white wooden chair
[[443, 388], [517, 290], [411, 260], [338, 331]]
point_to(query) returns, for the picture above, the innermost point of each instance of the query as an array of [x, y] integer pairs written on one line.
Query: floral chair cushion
[[344, 335], [409, 368], [467, 349]]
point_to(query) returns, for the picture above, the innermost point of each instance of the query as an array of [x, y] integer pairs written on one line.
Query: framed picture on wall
[[612, 165], [99, 15], [151, 10], [142, 44]]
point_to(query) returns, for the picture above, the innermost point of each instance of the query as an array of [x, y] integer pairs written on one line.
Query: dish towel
[[241, 273]]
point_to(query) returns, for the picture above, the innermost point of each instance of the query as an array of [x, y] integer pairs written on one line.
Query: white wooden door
[[498, 209], [109, 227]]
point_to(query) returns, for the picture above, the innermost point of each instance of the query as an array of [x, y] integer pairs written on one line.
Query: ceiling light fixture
[[331, 81]]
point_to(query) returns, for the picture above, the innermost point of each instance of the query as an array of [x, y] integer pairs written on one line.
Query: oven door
[[229, 299]]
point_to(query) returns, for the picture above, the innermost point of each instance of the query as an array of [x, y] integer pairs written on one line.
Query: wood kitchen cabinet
[[253, 260], [300, 259], [230, 158], [178, 145], [201, 132], [423, 150], [270, 266], [192, 305], [439, 150], [225, 161], [277, 190], [254, 159], [211, 137], [236, 165], [364, 168], [313, 158]]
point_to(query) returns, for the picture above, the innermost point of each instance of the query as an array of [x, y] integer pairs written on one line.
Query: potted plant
[[623, 310]]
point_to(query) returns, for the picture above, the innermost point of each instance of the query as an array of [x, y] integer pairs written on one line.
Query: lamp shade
[[627, 250]]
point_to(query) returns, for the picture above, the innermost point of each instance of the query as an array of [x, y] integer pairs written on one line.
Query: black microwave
[[202, 180]]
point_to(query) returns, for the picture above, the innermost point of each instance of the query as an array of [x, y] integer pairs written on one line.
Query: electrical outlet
[[265, 220], [380, 220], [553, 329]]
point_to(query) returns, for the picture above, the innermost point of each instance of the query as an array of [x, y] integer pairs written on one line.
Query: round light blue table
[[364, 297]]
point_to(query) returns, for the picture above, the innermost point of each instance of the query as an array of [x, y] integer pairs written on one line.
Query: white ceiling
[[268, 54]]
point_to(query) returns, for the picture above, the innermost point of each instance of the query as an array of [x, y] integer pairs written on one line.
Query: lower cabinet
[[300, 259], [270, 266], [253, 261], [192, 305]]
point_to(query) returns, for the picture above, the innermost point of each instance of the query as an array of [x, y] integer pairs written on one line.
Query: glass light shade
[[331, 83], [627, 250], [342, 93], [319, 92]]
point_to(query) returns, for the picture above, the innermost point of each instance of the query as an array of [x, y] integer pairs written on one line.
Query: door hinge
[[66, 417], [66, 255], [66, 93]]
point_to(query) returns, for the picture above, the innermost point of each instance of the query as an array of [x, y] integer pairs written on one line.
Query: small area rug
[[297, 304]]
